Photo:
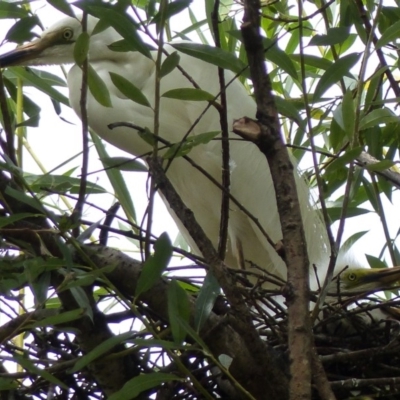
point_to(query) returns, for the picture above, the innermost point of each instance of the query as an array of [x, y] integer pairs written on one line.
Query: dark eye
[[68, 34], [352, 277]]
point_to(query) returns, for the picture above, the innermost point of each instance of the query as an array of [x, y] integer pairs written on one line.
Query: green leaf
[[178, 309], [27, 75], [274, 54], [314, 61], [333, 36], [169, 64], [116, 179], [212, 55], [129, 90], [380, 165], [155, 265], [205, 300], [334, 73], [378, 116], [348, 113], [124, 164], [62, 318], [81, 48], [21, 31], [336, 212], [60, 183], [390, 35], [349, 243], [375, 262], [140, 383], [181, 149], [4, 221], [172, 8], [12, 10], [24, 198], [82, 299], [33, 369], [190, 94], [346, 158], [63, 6], [98, 88], [100, 350], [121, 22]]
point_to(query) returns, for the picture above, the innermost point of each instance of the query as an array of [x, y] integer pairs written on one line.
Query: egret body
[[251, 182]]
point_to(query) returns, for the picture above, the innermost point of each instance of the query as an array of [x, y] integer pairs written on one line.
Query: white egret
[[251, 182]]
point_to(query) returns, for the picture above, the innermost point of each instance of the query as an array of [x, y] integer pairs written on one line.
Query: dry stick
[[276, 384], [368, 28], [270, 142], [77, 212], [223, 117]]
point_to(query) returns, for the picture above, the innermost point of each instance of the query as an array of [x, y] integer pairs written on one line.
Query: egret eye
[[352, 276], [68, 34]]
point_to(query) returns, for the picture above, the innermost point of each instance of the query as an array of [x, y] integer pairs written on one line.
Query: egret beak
[[382, 277], [32, 53], [22, 54]]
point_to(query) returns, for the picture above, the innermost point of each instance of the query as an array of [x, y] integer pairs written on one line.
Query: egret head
[[56, 44], [357, 280]]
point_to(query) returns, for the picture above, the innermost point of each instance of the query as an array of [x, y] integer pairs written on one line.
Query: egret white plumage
[[251, 182]]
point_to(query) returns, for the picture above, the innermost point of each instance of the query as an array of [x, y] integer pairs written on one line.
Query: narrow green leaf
[[60, 183], [12, 10], [334, 73], [140, 383], [314, 61], [391, 34], [205, 300], [155, 265], [24, 198], [33, 369], [100, 350], [8, 384], [124, 164], [116, 179], [375, 262], [27, 75], [98, 88], [274, 54], [21, 31], [4, 221], [380, 165], [62, 318], [212, 55], [349, 243], [129, 90], [189, 94], [178, 309], [172, 8], [182, 149], [83, 301], [169, 64], [81, 48], [333, 36], [336, 212], [121, 22], [378, 116], [348, 113], [63, 6], [346, 158]]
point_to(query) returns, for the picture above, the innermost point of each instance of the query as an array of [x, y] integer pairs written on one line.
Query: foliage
[[333, 68]]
